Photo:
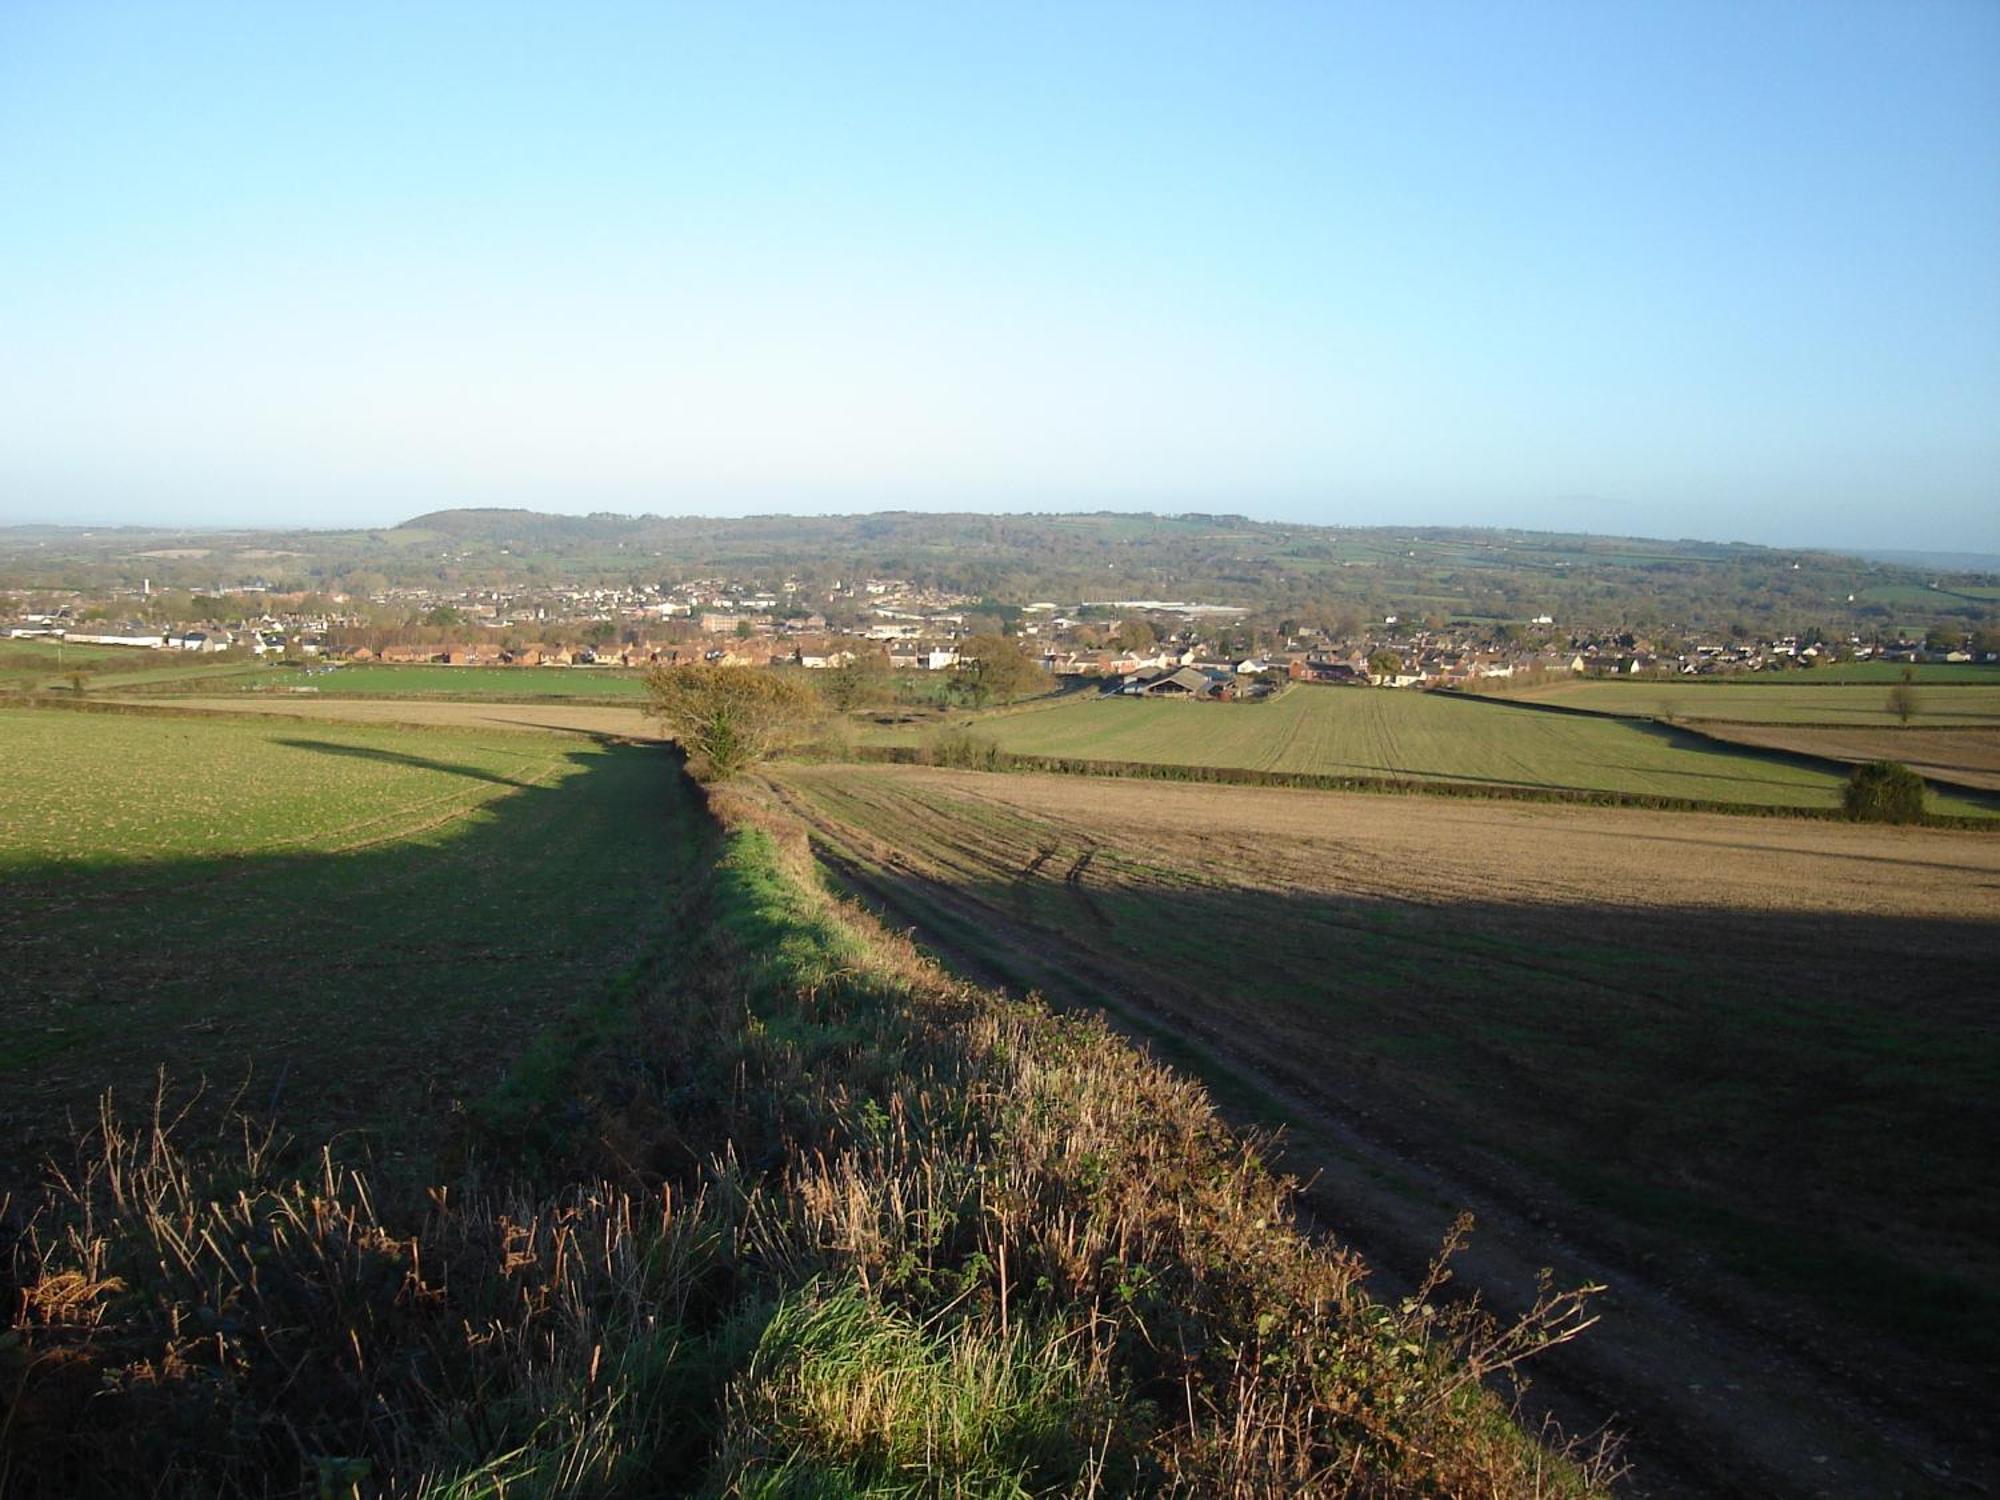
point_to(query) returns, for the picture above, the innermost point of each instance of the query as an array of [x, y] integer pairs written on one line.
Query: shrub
[[1884, 791], [728, 719], [963, 749]]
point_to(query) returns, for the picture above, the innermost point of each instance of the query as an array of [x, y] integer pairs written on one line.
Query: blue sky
[[1728, 270]]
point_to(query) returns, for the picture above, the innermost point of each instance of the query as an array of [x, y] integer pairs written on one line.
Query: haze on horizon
[[1670, 269]]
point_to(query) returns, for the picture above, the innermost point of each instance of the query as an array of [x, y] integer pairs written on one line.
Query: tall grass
[[829, 1224]]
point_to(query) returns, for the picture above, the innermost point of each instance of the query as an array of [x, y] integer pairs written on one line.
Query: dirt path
[[1713, 1405]]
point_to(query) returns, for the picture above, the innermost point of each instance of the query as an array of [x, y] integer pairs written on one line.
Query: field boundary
[[1805, 759], [1131, 770], [529, 700]]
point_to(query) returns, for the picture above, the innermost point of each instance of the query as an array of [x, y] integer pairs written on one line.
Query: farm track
[[1719, 1404]]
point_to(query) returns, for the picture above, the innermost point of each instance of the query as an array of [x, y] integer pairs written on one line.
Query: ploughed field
[[367, 923], [1403, 734], [1960, 701], [1752, 1054]]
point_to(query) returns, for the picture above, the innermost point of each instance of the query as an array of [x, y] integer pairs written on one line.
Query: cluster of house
[[919, 629]]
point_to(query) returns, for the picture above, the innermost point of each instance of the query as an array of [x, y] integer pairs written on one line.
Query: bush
[[1885, 791], [728, 719], [962, 749]]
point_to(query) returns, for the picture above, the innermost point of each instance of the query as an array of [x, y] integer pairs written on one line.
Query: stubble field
[[1763, 1052]]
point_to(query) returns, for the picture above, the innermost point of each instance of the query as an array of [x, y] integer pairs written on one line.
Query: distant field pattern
[[1379, 733], [427, 681]]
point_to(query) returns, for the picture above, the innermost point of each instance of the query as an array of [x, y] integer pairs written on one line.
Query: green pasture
[[1382, 733], [374, 681], [383, 917], [1960, 703], [29, 664]]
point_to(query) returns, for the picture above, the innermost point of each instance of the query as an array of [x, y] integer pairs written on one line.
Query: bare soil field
[[1963, 757], [1745, 1072]]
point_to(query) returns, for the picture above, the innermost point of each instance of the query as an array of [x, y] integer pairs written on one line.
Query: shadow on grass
[[383, 986], [400, 758]]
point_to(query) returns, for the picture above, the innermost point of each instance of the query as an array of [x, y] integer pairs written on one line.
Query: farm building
[[1185, 683]]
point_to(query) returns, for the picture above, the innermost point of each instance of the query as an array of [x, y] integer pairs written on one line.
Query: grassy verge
[[827, 1224]]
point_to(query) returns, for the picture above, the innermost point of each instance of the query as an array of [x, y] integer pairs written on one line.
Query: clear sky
[[1728, 270]]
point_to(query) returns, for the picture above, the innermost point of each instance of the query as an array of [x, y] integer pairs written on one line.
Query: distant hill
[[1943, 562]]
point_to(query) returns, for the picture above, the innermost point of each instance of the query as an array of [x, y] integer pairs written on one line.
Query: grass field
[[452, 682], [342, 906], [1356, 732], [33, 664], [1664, 1033], [1956, 704]]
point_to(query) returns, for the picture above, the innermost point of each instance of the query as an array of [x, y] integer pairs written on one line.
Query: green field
[[1879, 673], [1958, 705], [1358, 732], [384, 916], [32, 664], [449, 682]]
